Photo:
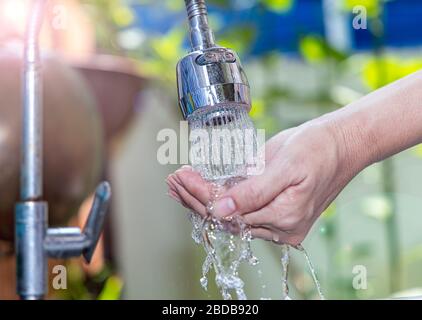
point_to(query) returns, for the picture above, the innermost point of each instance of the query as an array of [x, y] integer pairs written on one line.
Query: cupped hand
[[306, 167]]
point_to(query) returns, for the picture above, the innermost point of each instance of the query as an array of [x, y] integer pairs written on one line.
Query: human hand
[[306, 168]]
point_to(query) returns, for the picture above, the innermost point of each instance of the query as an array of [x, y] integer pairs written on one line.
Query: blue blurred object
[[402, 26], [281, 31], [276, 31]]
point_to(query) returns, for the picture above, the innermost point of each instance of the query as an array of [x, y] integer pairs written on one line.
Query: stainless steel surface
[[65, 242], [31, 217], [31, 177], [63, 232], [33, 241], [71, 242], [201, 36], [94, 224], [210, 75], [31, 259]]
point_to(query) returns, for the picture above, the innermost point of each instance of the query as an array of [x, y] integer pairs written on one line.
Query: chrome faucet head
[[209, 76]]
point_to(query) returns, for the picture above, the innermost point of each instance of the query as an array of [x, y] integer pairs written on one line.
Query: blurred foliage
[[164, 52], [104, 285], [417, 151], [157, 55], [373, 7], [328, 222], [112, 289], [380, 71], [279, 6], [315, 49], [238, 38]]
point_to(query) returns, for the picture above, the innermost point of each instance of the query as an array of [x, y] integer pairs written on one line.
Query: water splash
[[263, 286], [225, 161], [312, 271], [220, 152], [285, 259], [227, 245]]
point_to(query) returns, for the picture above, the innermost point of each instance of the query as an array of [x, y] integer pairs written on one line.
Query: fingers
[[263, 217], [286, 212], [193, 184], [273, 215], [188, 188], [262, 233], [264, 220], [255, 192], [249, 195], [285, 220], [187, 199], [174, 195]]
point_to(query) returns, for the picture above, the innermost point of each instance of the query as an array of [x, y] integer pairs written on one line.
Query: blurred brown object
[[7, 271], [72, 133], [116, 84], [88, 107], [73, 139], [112, 83]]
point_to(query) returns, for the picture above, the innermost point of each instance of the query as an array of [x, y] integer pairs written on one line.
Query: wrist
[[356, 148]]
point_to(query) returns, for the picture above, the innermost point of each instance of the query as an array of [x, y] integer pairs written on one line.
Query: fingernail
[[186, 167], [224, 207]]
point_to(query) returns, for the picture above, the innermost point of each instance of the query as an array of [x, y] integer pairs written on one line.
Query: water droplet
[[312, 270], [253, 261], [285, 259], [227, 243], [204, 282]]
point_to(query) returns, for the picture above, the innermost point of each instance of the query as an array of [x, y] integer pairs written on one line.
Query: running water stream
[[312, 270], [227, 245], [224, 148]]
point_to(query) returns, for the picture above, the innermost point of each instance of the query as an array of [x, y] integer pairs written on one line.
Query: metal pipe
[[31, 258], [32, 151], [33, 240], [31, 213], [209, 75], [201, 35], [95, 222]]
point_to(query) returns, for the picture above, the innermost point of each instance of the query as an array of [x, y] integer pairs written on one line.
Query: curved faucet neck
[[201, 35]]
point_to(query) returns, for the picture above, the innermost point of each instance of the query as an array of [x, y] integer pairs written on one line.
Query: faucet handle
[[95, 222], [71, 242]]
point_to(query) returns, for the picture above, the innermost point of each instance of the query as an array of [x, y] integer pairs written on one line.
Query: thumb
[[255, 192]]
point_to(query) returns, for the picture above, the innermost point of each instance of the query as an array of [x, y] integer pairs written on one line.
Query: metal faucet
[[210, 76], [34, 241]]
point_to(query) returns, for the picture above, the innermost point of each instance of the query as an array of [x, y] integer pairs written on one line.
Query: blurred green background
[[376, 221]]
